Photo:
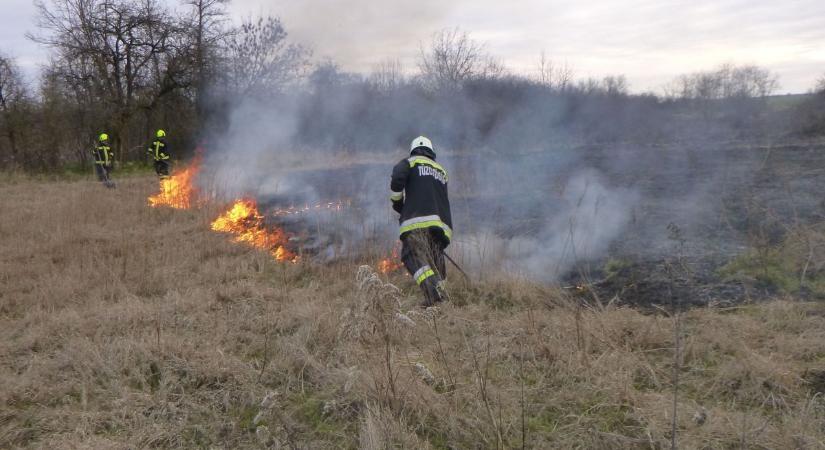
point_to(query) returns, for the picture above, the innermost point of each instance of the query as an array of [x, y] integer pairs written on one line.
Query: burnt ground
[[722, 199], [694, 207]]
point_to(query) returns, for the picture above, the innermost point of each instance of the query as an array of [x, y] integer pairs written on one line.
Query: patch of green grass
[[546, 421], [615, 266], [785, 102], [782, 266], [246, 417], [310, 413]]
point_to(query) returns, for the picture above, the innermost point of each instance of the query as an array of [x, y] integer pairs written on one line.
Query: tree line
[[128, 68]]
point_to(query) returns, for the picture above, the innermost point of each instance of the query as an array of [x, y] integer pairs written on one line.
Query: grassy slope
[[122, 326]]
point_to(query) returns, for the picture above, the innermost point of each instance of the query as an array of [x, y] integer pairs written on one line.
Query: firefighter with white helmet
[[419, 194]]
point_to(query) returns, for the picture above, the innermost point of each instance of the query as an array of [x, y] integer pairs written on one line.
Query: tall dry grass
[[123, 326]]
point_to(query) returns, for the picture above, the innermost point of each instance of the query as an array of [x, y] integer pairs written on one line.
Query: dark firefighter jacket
[[419, 194], [103, 155], [159, 149]]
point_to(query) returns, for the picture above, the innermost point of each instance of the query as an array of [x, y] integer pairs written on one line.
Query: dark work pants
[[103, 175], [422, 252], [162, 169]]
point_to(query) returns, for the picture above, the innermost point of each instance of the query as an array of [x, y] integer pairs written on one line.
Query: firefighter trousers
[[102, 172], [422, 253], [162, 168]]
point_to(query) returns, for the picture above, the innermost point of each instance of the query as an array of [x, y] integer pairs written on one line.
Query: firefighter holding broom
[[104, 160], [160, 153], [419, 195]]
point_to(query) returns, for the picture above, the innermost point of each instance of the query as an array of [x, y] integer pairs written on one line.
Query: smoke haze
[[525, 198]]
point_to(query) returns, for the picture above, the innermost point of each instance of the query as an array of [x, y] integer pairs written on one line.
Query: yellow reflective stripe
[[395, 196], [427, 224], [426, 161], [427, 274], [421, 270], [102, 151], [158, 157]]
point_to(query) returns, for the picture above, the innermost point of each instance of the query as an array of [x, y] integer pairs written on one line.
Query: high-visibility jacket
[[159, 149], [103, 155], [419, 193]]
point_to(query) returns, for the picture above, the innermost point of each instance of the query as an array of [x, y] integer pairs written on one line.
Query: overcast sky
[[650, 41]]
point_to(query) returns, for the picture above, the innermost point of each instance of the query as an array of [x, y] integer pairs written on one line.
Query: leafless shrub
[[387, 75], [262, 60], [727, 81], [453, 58]]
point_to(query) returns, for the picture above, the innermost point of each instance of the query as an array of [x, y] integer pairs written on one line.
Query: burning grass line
[[179, 191], [247, 224], [244, 220]]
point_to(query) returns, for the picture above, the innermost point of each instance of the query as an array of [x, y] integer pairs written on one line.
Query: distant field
[[787, 101], [124, 326]]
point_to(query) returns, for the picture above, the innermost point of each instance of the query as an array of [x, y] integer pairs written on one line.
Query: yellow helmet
[[103, 137], [160, 134]]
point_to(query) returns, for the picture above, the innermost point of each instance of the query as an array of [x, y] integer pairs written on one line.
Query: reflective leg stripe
[[425, 222], [422, 274], [395, 196]]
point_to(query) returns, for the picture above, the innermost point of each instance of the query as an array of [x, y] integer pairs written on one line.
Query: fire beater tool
[[457, 267]]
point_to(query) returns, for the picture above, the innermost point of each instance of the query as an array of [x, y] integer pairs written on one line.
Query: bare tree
[[545, 70], [13, 96], [207, 25], [453, 58], [727, 81], [261, 59], [589, 86], [117, 52], [820, 85], [564, 77], [615, 85], [387, 75], [555, 76]]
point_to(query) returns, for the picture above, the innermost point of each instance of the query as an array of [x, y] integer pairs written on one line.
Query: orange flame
[[247, 224], [178, 191], [393, 263]]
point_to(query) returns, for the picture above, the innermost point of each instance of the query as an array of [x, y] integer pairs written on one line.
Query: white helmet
[[421, 141]]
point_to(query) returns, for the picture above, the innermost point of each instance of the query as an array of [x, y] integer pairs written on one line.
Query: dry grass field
[[124, 326]]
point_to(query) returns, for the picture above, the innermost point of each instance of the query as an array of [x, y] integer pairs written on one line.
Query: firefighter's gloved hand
[[398, 206]]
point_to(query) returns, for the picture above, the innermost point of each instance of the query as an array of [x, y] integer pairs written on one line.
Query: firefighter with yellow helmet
[[103, 160], [159, 150]]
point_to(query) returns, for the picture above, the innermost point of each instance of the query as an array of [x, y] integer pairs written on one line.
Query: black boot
[[432, 292]]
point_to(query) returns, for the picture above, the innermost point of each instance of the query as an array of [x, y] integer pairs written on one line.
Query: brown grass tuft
[[126, 326]]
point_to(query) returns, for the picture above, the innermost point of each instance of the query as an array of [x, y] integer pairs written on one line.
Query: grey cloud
[[648, 40]]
